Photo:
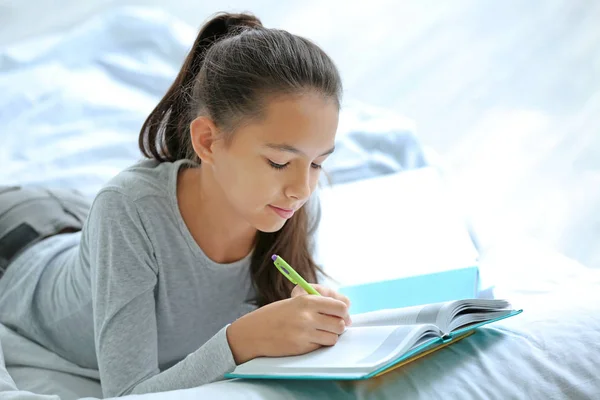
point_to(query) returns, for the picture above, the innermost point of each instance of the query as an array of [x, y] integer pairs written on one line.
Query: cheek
[[253, 188], [246, 184]]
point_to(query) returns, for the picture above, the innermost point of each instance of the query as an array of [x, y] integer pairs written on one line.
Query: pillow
[[391, 226], [373, 142]]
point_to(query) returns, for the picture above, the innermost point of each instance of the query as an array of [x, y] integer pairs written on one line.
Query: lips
[[285, 213]]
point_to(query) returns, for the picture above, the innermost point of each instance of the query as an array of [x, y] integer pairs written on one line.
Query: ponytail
[[165, 133]]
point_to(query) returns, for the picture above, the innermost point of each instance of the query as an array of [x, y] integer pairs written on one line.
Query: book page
[[464, 312], [442, 315], [426, 314], [359, 349]]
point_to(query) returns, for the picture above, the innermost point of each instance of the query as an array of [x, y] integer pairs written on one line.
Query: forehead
[[307, 121]]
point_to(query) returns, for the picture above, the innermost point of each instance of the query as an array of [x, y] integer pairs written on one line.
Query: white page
[[358, 349], [439, 314], [463, 320], [399, 316]]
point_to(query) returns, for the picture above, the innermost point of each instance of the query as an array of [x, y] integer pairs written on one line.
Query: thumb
[[298, 291]]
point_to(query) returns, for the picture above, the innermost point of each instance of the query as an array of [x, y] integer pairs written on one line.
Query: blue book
[[380, 341], [409, 291]]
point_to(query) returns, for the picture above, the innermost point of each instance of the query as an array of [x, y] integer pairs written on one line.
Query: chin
[[270, 228], [269, 225]]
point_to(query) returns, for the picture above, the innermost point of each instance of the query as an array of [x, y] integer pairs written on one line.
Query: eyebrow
[[292, 149]]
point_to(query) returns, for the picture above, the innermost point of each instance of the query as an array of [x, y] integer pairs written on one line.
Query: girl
[[167, 282]]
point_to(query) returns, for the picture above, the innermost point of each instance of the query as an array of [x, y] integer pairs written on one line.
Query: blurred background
[[507, 93]]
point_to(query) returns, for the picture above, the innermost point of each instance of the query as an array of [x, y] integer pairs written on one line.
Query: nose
[[300, 188]]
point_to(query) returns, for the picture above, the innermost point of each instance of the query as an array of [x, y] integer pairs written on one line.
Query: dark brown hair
[[233, 68]]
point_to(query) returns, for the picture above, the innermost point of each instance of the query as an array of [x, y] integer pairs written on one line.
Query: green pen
[[292, 275]]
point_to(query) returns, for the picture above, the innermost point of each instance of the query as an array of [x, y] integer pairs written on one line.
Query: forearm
[[207, 364]]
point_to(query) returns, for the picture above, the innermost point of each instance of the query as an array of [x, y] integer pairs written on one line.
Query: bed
[[70, 114]]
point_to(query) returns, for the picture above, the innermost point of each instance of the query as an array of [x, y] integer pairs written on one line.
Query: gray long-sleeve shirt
[[132, 295]]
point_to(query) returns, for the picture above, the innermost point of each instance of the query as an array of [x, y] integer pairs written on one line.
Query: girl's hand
[[324, 291], [289, 327]]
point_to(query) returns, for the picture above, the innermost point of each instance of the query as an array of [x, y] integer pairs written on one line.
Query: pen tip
[[274, 257]]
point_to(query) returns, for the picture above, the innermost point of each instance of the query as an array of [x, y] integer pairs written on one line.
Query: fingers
[[324, 291], [323, 338], [330, 324], [330, 306], [298, 291], [328, 292]]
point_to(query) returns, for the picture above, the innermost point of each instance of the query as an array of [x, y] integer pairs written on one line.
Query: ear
[[203, 133]]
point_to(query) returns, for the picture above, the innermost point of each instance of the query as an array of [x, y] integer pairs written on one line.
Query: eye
[[316, 166], [277, 166]]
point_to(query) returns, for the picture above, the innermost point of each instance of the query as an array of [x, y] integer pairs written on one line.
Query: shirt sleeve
[[124, 277]]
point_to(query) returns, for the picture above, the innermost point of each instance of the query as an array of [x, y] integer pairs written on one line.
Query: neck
[[220, 232]]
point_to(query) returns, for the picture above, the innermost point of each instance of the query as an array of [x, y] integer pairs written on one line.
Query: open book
[[379, 341]]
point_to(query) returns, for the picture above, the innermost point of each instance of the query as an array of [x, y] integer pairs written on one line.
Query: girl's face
[[271, 167]]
